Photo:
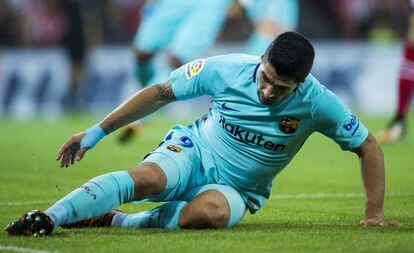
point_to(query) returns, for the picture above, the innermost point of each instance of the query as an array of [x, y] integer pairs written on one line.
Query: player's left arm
[[332, 118], [373, 179]]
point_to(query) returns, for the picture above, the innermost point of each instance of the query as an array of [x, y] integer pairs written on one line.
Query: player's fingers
[[58, 156], [392, 223], [363, 223], [62, 161], [371, 223], [73, 150], [66, 158], [64, 148], [72, 158], [67, 162], [60, 153], [80, 154]]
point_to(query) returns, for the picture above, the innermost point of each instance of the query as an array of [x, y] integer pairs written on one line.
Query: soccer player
[[223, 164], [397, 128], [184, 29]]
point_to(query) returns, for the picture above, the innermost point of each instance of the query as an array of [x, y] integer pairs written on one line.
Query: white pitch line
[[27, 202], [322, 195], [25, 250]]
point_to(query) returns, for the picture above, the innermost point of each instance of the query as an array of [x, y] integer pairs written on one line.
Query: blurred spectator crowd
[[52, 22], [59, 22], [354, 19], [77, 71]]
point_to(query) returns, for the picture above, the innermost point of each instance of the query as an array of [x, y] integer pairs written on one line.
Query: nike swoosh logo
[[224, 106]]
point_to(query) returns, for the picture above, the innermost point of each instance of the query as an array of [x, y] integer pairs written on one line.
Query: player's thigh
[[233, 202], [158, 26], [179, 158], [198, 31]]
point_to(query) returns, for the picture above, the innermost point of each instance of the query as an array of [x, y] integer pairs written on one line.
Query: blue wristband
[[92, 137]]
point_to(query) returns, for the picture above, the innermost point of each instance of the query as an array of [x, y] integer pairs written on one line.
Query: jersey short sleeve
[[197, 78], [333, 119]]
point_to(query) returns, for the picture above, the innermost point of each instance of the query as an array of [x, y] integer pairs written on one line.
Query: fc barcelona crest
[[288, 125], [174, 148]]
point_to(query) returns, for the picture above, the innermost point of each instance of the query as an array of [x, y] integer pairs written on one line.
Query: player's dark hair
[[291, 55]]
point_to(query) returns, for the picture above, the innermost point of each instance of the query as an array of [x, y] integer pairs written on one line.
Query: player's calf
[[100, 221]]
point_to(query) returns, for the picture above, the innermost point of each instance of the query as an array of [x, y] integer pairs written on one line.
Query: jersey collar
[[255, 73]]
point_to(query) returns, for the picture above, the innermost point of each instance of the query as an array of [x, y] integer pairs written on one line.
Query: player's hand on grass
[[77, 145], [71, 150], [376, 221]]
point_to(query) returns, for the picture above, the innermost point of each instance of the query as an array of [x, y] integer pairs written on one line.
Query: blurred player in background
[[397, 128], [184, 29], [223, 164], [74, 42], [270, 18]]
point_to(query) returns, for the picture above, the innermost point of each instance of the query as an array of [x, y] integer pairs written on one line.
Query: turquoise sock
[[94, 198], [165, 216], [144, 72]]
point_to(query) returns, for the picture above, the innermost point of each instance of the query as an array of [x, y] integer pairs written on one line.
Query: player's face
[[273, 87]]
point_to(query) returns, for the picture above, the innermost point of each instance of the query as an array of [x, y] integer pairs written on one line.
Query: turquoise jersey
[[249, 142]]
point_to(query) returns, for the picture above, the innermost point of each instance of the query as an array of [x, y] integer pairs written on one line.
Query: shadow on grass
[[285, 227], [269, 228]]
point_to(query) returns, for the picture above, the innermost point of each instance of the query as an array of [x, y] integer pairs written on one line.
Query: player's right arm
[[194, 79], [136, 107], [141, 104]]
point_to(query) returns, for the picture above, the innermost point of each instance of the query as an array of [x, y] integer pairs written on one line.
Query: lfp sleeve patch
[[193, 68]]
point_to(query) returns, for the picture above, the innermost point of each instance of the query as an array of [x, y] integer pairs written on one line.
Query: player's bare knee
[[216, 216], [208, 213], [149, 180], [203, 217]]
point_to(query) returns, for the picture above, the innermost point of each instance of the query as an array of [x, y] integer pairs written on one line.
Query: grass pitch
[[316, 203]]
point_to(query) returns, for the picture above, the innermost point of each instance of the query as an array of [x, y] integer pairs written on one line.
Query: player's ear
[[262, 58]]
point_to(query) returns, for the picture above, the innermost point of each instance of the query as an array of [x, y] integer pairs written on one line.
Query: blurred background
[[66, 56]]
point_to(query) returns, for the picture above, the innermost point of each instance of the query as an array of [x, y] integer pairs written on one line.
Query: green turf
[[30, 178]]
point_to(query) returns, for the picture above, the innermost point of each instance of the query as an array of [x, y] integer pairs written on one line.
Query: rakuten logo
[[243, 135]]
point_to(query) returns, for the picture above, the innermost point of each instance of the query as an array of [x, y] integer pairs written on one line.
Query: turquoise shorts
[[179, 156], [186, 29]]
